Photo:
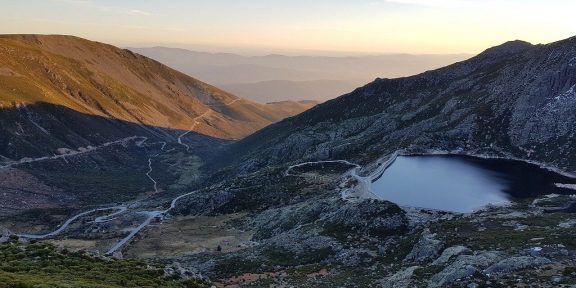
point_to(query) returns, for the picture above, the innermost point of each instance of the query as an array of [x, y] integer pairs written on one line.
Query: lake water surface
[[463, 184]]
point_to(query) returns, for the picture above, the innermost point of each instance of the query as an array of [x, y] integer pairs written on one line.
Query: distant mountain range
[[280, 90], [279, 78]]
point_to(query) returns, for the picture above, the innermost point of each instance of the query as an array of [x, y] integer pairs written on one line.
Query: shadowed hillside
[[52, 156]]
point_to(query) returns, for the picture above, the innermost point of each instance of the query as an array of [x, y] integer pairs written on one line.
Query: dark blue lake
[[463, 184]]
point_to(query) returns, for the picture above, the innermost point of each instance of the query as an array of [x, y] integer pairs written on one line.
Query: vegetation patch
[[40, 264], [427, 272], [492, 234], [283, 257]]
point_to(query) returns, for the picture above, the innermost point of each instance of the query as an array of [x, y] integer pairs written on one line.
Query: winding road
[[65, 225], [109, 217], [191, 129], [73, 153], [150, 177], [150, 215], [195, 123], [363, 190]]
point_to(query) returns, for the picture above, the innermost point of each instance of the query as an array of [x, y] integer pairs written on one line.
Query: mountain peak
[[508, 48]]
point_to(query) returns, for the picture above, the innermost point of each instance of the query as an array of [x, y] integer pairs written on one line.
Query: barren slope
[[99, 79]]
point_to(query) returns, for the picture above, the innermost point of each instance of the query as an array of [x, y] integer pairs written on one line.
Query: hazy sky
[[365, 26]]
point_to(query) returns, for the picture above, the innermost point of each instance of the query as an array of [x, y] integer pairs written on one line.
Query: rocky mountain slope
[[516, 100]]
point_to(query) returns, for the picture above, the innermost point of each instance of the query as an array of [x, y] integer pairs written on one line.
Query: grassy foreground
[[42, 265]]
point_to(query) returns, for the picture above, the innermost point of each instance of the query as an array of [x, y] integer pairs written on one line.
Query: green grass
[[547, 220], [40, 265]]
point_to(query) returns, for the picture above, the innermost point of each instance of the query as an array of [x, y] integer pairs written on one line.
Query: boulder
[[464, 266], [449, 253], [372, 217], [426, 249], [401, 279]]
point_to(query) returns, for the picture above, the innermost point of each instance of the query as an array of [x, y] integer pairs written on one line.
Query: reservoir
[[462, 183]]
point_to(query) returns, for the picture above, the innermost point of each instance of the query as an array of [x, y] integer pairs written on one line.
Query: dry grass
[[99, 79], [189, 234]]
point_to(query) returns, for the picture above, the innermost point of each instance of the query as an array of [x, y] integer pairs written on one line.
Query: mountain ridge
[[451, 108], [101, 79]]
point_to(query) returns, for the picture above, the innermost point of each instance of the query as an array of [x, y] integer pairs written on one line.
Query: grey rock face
[[568, 224], [516, 263], [401, 279], [176, 270], [202, 203], [464, 266], [276, 221], [353, 257], [372, 217], [449, 253], [451, 274], [5, 236], [426, 249]]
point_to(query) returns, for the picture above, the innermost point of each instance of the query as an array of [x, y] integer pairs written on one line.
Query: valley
[[210, 189]]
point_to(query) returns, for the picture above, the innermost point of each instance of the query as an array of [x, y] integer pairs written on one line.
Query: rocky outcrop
[[5, 235], [370, 217], [401, 279], [464, 266], [426, 249], [449, 253], [275, 221], [516, 263]]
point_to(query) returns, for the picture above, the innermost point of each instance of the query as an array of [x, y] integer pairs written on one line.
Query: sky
[[298, 26]]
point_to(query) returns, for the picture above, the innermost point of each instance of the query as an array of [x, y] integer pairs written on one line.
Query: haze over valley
[[274, 78]]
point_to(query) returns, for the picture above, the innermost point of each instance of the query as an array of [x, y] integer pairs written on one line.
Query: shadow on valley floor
[[52, 157], [37, 130]]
